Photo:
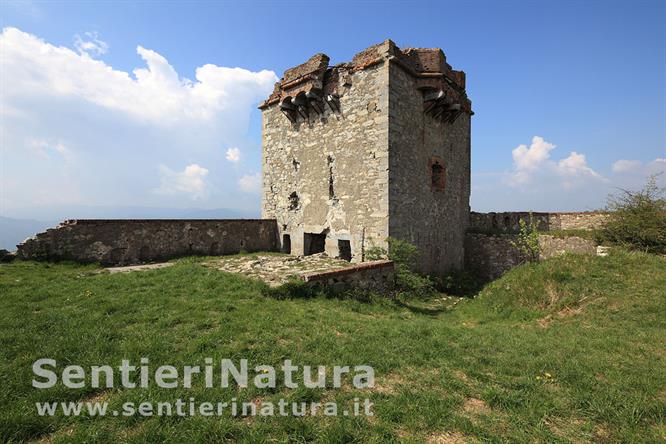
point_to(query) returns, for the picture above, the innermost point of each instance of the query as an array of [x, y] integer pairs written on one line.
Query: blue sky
[[580, 85]]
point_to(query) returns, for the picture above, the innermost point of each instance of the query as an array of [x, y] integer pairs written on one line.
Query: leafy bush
[[375, 253], [637, 219], [405, 256]]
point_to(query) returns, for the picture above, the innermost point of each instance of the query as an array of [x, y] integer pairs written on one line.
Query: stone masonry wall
[[121, 242], [508, 222], [435, 220], [490, 256], [552, 246], [376, 276], [580, 221], [328, 174]]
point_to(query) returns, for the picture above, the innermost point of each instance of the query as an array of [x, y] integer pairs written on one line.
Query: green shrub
[[527, 240], [375, 253], [406, 257], [637, 219]]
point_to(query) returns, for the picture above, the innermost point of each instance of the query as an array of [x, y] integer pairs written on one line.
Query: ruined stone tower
[[360, 151]]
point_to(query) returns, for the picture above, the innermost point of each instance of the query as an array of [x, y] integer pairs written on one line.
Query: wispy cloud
[[90, 44], [623, 166], [191, 181], [250, 183]]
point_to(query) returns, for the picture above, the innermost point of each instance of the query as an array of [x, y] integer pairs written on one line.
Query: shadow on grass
[[296, 289], [428, 311], [412, 292], [461, 283]]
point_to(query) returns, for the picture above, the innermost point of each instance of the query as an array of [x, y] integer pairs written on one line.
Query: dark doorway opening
[[286, 243], [344, 248], [314, 243]]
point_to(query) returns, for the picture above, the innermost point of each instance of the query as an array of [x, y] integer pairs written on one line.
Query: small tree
[[637, 219], [527, 241]]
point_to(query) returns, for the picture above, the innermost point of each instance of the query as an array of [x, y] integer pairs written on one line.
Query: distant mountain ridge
[[15, 231]]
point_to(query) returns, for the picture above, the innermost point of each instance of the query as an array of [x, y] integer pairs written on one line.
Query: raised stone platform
[[278, 269]]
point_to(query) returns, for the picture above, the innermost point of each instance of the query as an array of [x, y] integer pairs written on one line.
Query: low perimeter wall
[[375, 275], [491, 256], [122, 242], [509, 222]]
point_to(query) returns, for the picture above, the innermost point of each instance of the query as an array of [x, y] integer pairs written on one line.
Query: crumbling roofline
[[426, 64]]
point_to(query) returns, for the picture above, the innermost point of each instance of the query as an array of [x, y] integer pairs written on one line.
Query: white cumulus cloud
[[576, 165], [250, 183], [155, 94], [542, 180], [191, 181], [531, 158], [112, 126], [233, 155], [533, 164]]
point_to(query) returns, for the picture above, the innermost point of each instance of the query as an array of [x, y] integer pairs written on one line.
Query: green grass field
[[572, 349]]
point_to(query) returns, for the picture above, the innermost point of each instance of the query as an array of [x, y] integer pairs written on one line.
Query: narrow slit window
[[437, 174]]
